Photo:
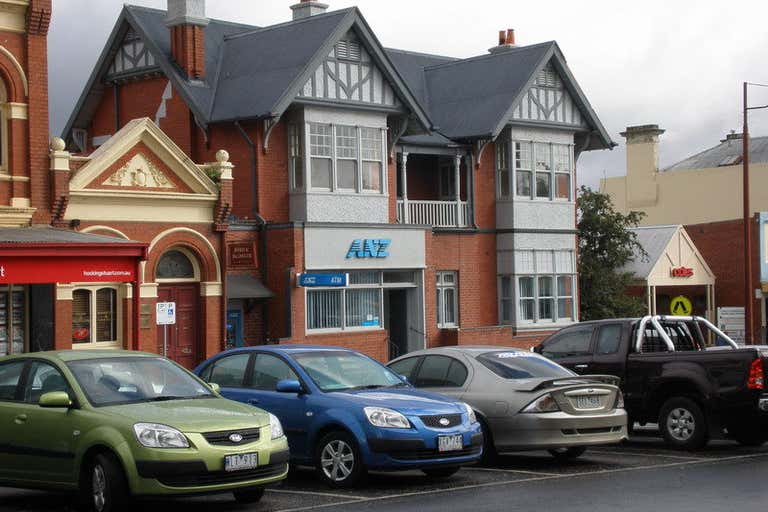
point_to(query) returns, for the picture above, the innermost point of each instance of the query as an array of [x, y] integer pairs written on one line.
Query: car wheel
[[490, 454], [683, 424], [747, 433], [570, 453], [248, 495], [337, 460], [105, 488], [440, 472]]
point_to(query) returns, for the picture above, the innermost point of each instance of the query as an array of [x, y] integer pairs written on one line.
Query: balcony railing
[[439, 214]]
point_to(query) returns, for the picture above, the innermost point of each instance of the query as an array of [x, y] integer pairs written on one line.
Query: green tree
[[605, 245]]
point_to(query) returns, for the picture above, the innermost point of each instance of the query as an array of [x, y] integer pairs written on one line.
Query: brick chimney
[[186, 21], [642, 164], [506, 41], [307, 8]]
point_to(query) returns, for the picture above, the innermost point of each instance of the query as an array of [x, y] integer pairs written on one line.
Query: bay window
[[545, 288], [543, 170], [502, 168], [296, 157], [343, 158]]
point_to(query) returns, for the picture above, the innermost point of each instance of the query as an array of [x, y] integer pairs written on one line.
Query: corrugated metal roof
[[42, 235], [727, 153], [654, 239]]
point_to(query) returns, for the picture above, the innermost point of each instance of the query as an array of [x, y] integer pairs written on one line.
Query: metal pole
[[747, 227], [165, 340]]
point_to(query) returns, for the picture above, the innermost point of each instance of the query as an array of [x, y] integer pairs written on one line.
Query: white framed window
[[447, 299], [321, 155], [545, 287], [359, 306], [543, 171], [503, 184], [96, 319], [347, 159], [296, 157]]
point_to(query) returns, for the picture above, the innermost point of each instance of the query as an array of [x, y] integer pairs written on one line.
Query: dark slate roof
[[258, 67], [411, 66], [46, 235], [727, 153]]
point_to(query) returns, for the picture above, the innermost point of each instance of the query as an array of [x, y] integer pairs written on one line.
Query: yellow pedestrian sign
[[681, 306]]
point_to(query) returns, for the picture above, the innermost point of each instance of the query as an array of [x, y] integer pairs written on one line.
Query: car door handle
[[21, 418], [253, 401], [581, 366]]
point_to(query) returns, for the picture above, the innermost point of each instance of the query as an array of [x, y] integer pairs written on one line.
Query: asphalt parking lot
[[641, 474]]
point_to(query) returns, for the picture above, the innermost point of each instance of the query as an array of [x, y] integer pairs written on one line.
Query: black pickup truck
[[680, 372]]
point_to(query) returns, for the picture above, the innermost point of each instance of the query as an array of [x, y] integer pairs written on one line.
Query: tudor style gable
[[349, 74], [548, 100]]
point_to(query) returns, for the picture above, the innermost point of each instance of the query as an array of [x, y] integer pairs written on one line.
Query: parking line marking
[[314, 493], [532, 479], [499, 470], [653, 454]]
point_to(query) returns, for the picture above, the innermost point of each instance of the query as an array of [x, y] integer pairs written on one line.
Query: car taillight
[[756, 378]]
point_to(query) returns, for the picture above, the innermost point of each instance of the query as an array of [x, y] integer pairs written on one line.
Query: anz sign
[[369, 248]]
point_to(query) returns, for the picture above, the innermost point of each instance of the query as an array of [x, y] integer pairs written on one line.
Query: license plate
[[587, 402], [449, 443], [241, 462]]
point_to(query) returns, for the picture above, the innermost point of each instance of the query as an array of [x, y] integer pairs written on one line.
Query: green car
[[116, 424]]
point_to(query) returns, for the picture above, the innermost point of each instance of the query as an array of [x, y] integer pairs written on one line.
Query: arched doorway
[[178, 276]]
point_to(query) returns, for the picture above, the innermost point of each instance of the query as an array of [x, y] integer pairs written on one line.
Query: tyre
[[248, 495], [337, 460], [683, 424], [441, 472], [104, 488], [747, 433], [490, 454], [563, 454]]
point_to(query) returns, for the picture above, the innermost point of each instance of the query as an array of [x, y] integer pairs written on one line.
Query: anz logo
[[369, 248]]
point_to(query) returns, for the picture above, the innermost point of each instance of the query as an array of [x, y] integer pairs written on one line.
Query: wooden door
[[183, 340]]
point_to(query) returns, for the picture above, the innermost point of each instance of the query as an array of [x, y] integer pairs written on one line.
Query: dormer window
[[348, 50]]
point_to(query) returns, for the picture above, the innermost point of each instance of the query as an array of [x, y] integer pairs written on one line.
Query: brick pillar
[[188, 49], [223, 169]]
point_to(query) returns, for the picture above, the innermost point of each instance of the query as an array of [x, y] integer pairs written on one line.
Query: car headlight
[[153, 435], [545, 403], [619, 400], [470, 412], [386, 418], [275, 427]]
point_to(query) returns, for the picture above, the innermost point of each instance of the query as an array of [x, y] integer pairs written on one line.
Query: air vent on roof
[[548, 78], [348, 50], [730, 160]]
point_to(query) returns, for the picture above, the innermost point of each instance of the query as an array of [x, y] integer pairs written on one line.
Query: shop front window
[[94, 316], [13, 320], [358, 306]]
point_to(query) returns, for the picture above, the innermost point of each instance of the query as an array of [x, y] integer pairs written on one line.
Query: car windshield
[[344, 371], [123, 380], [522, 365]]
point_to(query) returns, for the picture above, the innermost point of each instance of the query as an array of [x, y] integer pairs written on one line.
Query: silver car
[[523, 400]]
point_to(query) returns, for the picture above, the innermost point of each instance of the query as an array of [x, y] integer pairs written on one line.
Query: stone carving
[[139, 172]]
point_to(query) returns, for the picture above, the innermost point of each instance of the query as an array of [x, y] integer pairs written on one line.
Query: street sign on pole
[[165, 313]]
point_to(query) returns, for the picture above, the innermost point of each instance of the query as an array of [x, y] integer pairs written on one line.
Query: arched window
[[95, 316], [175, 264]]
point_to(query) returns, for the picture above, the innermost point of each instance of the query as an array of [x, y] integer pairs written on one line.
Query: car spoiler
[[575, 381]]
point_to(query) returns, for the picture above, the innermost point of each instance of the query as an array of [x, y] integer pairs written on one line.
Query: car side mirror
[[53, 399], [214, 387], [405, 379], [289, 386]]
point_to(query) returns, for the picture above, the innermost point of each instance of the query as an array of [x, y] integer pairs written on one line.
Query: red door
[[182, 342]]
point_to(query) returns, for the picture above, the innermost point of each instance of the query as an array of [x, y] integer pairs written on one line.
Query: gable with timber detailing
[[350, 74], [132, 56], [548, 100]]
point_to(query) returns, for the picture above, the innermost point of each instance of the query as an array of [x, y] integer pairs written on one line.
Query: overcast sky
[[678, 64]]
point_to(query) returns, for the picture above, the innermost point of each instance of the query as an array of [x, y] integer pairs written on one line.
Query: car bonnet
[[405, 401]]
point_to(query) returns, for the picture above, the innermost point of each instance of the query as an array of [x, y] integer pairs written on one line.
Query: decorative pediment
[[139, 172]]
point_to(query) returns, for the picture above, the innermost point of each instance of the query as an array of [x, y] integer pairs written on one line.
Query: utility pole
[[748, 301]]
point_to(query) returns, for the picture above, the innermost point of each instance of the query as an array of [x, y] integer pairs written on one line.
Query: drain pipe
[[259, 219]]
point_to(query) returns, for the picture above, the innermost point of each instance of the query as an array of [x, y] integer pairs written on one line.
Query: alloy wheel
[[99, 487], [337, 460], [681, 424]]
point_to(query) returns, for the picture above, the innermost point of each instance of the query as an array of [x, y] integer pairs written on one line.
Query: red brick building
[[380, 199]]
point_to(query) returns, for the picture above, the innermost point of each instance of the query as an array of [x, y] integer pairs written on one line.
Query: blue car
[[345, 413]]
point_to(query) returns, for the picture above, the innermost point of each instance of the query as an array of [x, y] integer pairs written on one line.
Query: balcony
[[438, 214]]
